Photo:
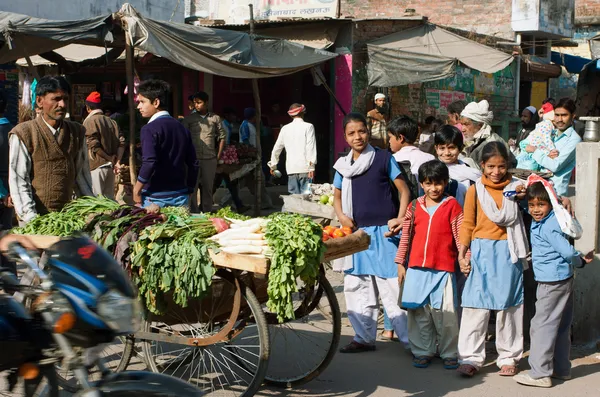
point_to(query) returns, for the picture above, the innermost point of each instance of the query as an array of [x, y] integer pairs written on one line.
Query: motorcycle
[[82, 300]]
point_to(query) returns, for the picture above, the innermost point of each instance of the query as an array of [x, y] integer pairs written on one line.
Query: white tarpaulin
[[216, 51], [427, 53]]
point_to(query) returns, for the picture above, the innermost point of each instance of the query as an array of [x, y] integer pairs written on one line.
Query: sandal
[[386, 338], [467, 370], [450, 363], [355, 347], [421, 361], [508, 370]]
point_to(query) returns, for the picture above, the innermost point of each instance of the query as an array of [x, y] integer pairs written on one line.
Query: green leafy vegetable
[[297, 250]]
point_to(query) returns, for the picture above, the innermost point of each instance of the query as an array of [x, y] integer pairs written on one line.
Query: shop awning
[[215, 51], [572, 63], [71, 52], [426, 53]]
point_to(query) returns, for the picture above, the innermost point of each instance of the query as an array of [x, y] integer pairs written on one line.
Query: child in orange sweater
[[493, 228]]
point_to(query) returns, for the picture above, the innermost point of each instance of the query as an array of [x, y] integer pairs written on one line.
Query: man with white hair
[[377, 122], [476, 119]]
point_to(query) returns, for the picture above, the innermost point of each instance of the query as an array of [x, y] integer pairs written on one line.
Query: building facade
[[78, 9]]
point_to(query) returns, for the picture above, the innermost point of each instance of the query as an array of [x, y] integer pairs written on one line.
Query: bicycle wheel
[[304, 347], [186, 345]]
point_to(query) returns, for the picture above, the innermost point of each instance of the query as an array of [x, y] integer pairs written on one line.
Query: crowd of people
[[447, 221], [449, 241]]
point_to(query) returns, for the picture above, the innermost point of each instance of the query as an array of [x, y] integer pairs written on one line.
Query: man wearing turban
[[476, 119]]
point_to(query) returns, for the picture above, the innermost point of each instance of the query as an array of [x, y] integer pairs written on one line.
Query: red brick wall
[[587, 8], [491, 17]]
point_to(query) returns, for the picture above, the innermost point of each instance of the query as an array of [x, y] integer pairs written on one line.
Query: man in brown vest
[[48, 156], [105, 146]]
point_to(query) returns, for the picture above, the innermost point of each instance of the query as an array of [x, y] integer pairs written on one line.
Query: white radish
[[242, 249], [252, 236], [233, 221], [230, 243], [240, 232]]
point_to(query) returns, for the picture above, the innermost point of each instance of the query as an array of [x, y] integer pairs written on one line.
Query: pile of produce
[[330, 232], [321, 193], [292, 242], [229, 155], [238, 154], [166, 251]]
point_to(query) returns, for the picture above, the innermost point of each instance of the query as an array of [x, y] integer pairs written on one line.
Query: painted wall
[[343, 92], [77, 9], [548, 16]]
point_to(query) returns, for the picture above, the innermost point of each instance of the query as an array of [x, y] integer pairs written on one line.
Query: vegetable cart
[[228, 343]]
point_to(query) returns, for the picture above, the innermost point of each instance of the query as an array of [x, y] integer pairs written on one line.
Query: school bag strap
[[411, 229]]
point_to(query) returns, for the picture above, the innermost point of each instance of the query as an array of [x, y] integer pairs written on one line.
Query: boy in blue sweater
[[169, 171], [553, 259]]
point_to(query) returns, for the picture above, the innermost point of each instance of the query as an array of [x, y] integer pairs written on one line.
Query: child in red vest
[[430, 234]]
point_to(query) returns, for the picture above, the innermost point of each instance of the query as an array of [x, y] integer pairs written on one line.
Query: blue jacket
[[552, 255]]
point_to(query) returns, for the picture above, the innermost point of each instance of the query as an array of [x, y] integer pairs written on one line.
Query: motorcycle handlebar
[[18, 253]]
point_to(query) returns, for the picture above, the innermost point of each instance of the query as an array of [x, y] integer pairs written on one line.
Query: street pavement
[[388, 372]]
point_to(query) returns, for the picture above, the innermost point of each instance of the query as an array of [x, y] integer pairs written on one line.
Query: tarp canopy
[[426, 53], [216, 51], [572, 63]]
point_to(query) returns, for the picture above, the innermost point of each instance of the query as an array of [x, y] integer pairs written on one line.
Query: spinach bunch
[[297, 250], [172, 259]]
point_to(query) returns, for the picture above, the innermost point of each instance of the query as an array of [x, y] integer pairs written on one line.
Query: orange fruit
[[347, 230], [338, 233], [325, 236]]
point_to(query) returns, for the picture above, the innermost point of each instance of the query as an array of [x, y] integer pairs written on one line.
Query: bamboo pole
[[256, 92], [129, 54]]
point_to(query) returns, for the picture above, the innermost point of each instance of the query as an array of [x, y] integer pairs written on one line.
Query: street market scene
[[300, 198]]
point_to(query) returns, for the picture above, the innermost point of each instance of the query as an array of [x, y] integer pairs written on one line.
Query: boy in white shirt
[[298, 140], [448, 146]]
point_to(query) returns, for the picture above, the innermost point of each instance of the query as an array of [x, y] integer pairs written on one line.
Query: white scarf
[[509, 216], [349, 170], [462, 172], [483, 133]]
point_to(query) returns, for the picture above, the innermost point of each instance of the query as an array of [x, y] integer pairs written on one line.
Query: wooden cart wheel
[[115, 355], [301, 349], [219, 344]]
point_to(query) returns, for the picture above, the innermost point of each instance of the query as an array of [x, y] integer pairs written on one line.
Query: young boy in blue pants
[[553, 259]]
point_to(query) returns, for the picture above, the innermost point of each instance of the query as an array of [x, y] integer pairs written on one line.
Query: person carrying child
[[553, 259], [493, 228], [363, 199], [542, 138], [430, 242], [448, 146]]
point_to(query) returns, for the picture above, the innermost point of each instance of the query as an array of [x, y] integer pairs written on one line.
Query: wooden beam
[[129, 70]]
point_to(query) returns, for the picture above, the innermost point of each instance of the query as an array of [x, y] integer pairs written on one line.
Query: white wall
[[77, 9]]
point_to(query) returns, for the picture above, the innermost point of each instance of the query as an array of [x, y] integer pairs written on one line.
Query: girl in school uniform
[[493, 228], [363, 198]]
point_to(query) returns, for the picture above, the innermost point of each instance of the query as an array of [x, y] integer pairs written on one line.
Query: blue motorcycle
[[82, 299]]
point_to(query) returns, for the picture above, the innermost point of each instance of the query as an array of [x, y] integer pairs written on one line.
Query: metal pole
[[518, 78], [129, 54], [256, 92]]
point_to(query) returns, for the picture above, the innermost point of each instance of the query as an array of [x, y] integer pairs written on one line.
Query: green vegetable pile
[[297, 246], [167, 253], [172, 257], [71, 219]]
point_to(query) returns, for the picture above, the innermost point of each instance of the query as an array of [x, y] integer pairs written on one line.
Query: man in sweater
[[6, 210], [105, 146], [169, 171], [298, 140], [48, 156], [208, 136]]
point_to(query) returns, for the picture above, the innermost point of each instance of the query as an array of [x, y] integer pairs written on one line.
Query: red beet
[[220, 224]]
